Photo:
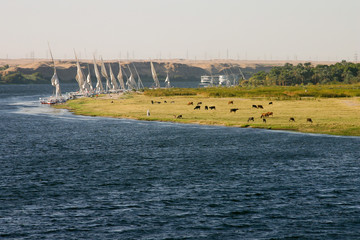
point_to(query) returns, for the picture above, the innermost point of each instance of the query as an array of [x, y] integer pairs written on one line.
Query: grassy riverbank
[[337, 116]]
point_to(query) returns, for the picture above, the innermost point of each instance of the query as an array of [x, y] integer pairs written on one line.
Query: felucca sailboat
[[56, 98], [154, 75]]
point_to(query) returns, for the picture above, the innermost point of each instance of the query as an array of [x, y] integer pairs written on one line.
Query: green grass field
[[337, 116]]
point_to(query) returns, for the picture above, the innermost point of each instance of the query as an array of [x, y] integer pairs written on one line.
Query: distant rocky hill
[[41, 71]]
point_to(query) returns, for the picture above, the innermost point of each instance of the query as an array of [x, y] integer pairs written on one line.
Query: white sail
[[113, 79], [88, 79], [131, 83], [139, 83], [55, 82], [120, 78], [154, 75], [167, 81], [80, 76], [105, 75], [99, 87]]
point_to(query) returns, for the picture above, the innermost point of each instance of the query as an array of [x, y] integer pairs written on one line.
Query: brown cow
[[270, 114], [199, 103], [260, 106], [264, 115], [231, 102], [233, 110], [190, 103]]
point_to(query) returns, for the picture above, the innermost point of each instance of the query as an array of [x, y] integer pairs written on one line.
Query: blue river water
[[73, 177]]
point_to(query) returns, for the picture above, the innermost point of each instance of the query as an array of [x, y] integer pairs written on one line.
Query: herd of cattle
[[233, 110]]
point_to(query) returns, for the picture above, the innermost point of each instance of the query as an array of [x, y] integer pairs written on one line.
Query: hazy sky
[[202, 29]]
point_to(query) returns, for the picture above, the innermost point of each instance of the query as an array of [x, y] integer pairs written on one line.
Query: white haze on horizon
[[202, 29]]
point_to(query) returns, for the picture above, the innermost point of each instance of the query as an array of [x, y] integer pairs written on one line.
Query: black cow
[[309, 120], [212, 108], [206, 108], [292, 119], [260, 106], [254, 106], [197, 107], [250, 119], [233, 110]]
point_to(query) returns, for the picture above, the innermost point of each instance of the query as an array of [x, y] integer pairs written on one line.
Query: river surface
[[74, 177]]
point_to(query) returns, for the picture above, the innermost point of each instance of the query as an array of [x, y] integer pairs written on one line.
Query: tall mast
[[55, 80]]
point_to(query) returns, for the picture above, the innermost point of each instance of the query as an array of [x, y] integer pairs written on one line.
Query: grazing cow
[[158, 102], [152, 102], [206, 108], [172, 102], [112, 101], [270, 103], [264, 115], [199, 103], [309, 120], [250, 119], [264, 120], [165, 101], [179, 116], [292, 119], [260, 106], [212, 108], [231, 102], [233, 110], [197, 107], [254, 106], [190, 103], [270, 114]]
